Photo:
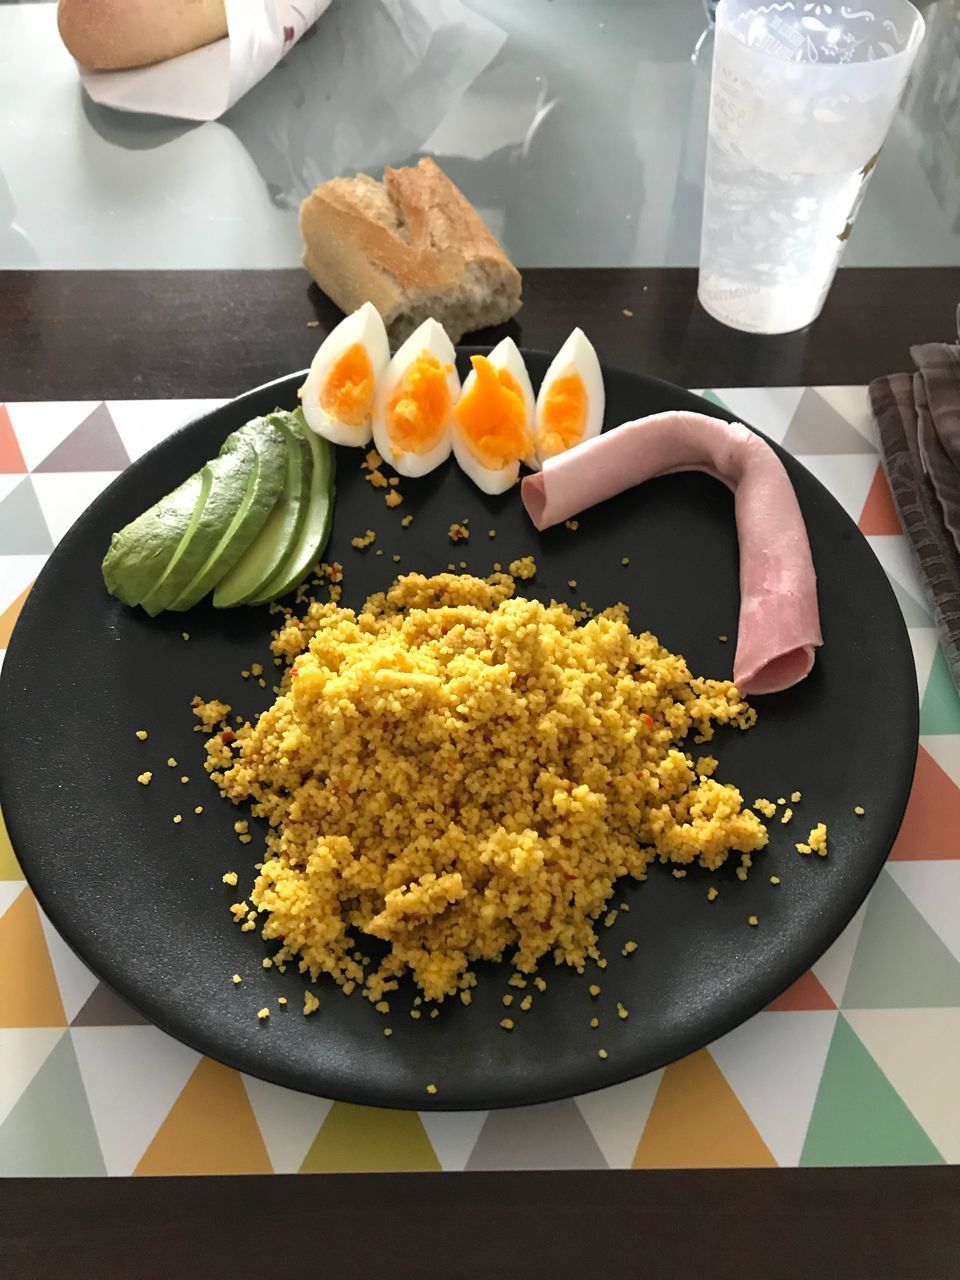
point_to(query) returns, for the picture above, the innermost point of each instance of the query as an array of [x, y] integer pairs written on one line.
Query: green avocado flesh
[[242, 521], [256, 568], [315, 531], [224, 481], [141, 551]]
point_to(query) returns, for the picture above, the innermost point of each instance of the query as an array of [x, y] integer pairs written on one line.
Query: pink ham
[[779, 629]]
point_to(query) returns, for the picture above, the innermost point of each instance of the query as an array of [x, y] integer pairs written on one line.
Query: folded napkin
[[918, 417]]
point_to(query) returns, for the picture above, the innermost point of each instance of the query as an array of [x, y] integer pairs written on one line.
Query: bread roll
[[412, 245], [108, 35]]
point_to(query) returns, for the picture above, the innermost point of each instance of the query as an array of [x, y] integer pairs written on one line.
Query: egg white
[[432, 338], [364, 327], [576, 356], [505, 355]]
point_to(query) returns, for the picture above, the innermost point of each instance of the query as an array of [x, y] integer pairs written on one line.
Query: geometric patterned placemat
[[857, 1064]]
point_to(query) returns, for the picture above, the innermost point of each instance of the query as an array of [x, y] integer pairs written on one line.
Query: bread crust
[[111, 35], [412, 239]]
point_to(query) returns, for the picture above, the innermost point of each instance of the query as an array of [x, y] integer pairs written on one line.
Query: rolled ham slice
[[779, 628]]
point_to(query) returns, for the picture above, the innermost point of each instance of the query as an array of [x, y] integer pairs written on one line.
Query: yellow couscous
[[462, 774]]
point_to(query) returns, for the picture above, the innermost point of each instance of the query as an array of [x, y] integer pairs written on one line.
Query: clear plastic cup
[[802, 97]]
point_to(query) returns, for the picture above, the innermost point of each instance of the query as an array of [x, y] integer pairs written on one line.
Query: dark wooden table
[[93, 335]]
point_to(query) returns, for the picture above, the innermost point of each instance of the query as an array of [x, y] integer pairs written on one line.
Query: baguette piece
[[412, 245], [110, 35]]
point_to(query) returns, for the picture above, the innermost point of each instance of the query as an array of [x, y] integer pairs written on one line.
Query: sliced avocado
[[279, 533], [141, 551], [308, 548], [227, 478], [264, 485]]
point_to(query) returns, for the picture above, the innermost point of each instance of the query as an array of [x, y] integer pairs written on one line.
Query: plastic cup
[[802, 98]]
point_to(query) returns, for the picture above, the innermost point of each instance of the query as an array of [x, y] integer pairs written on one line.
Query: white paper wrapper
[[203, 84]]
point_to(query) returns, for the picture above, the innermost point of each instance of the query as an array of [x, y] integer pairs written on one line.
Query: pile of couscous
[[465, 774]]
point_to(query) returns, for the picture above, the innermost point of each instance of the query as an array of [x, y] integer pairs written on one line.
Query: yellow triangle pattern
[[697, 1121], [9, 617], [210, 1129], [29, 995], [356, 1139], [9, 866]]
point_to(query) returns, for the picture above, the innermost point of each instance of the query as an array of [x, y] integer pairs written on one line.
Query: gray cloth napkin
[[918, 418]]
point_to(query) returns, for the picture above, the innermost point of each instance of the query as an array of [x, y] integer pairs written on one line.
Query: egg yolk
[[419, 407], [492, 417], [563, 415], [347, 391]]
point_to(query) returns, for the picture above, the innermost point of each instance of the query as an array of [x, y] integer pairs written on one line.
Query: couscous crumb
[[229, 877], [713, 893], [594, 990], [145, 778], [602, 1053], [431, 1088], [859, 810], [753, 921], [774, 879], [525, 567], [310, 1003], [795, 797], [263, 1014], [507, 1024], [178, 817], [237, 979], [142, 735], [817, 839]]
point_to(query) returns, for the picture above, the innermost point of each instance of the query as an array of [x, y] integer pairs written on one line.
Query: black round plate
[[140, 899]]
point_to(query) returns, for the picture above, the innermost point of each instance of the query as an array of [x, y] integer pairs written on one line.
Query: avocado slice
[[140, 552], [264, 485], [266, 553], [226, 480], [308, 548]]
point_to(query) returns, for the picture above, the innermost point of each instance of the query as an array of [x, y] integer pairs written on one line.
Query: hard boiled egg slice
[[414, 408], [493, 419], [339, 394], [570, 401]]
